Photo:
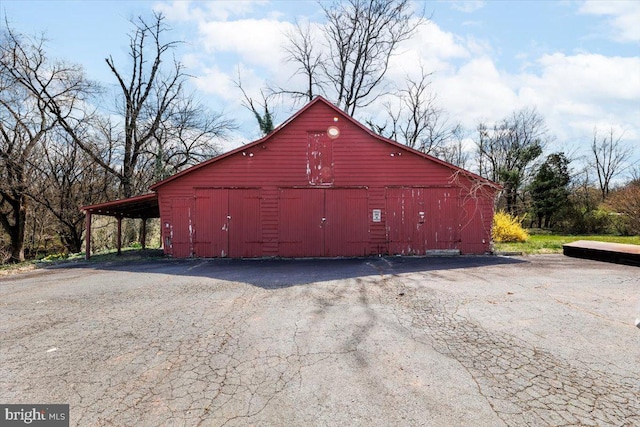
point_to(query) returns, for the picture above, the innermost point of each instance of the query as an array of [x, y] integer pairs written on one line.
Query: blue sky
[[577, 62]]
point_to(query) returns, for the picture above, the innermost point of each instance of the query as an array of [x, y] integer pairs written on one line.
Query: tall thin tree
[[151, 94], [610, 155]]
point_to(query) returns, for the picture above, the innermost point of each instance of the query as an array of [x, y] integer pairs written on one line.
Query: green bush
[[508, 228], [56, 257]]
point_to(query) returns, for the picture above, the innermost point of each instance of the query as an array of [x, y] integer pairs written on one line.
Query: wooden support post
[[87, 235], [143, 238], [119, 235]]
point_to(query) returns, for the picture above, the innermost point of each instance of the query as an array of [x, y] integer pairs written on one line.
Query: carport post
[[144, 233], [87, 235], [119, 235]]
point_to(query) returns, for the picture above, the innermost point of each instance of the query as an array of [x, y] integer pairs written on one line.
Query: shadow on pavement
[[278, 273]]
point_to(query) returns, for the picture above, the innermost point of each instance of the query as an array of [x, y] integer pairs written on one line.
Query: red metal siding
[[358, 160], [475, 223], [347, 222], [422, 219], [403, 232], [319, 222], [227, 223], [211, 237], [270, 220], [378, 242], [181, 227], [301, 222], [300, 175], [441, 206], [245, 224]]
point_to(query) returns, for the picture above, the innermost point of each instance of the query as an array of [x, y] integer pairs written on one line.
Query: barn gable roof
[[321, 100]]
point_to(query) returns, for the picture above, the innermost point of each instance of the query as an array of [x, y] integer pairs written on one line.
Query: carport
[[140, 207]]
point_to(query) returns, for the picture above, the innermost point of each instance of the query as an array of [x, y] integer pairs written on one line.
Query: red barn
[[323, 185]]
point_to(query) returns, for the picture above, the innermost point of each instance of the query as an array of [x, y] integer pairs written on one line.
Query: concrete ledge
[[618, 253], [442, 252]]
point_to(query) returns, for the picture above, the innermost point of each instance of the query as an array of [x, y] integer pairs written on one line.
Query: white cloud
[[467, 6], [623, 17], [219, 10], [431, 49], [256, 41], [225, 9], [577, 92], [592, 77], [178, 11], [216, 82], [477, 91], [431, 40]]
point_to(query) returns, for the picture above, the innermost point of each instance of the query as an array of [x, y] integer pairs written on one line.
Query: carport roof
[[145, 206]]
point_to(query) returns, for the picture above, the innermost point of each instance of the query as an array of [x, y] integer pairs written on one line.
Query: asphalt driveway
[[542, 340]]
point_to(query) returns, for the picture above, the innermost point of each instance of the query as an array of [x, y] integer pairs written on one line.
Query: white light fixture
[[333, 132]]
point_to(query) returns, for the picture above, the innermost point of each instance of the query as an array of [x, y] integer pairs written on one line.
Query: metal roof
[[145, 206]]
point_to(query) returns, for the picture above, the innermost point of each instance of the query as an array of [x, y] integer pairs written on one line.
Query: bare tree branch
[[265, 120], [361, 36], [610, 155]]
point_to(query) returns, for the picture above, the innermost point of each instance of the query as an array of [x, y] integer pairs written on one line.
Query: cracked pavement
[[452, 341]]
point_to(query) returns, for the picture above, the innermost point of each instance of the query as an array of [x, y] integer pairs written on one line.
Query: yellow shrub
[[508, 228]]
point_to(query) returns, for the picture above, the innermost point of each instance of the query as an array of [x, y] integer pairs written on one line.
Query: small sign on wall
[[377, 215]]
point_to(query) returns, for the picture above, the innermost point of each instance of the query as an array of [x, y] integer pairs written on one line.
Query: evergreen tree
[[549, 192]]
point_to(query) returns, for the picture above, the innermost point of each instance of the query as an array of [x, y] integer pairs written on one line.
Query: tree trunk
[[72, 241], [17, 231], [511, 200]]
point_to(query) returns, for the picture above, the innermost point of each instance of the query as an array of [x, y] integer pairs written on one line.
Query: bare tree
[[415, 120], [21, 128], [68, 179], [508, 150], [151, 96], [610, 155], [30, 85], [260, 110], [422, 128], [303, 50], [360, 36], [453, 151], [187, 136], [146, 93], [626, 201]]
